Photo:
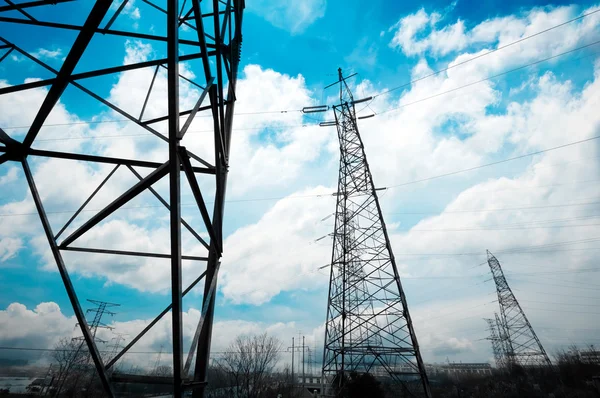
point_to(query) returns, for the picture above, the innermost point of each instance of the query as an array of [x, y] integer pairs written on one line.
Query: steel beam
[[202, 321], [164, 202], [30, 4], [79, 314], [106, 159], [95, 73], [192, 114], [62, 79], [151, 324], [174, 191], [203, 350], [98, 30], [117, 203], [86, 202], [187, 167], [129, 253]]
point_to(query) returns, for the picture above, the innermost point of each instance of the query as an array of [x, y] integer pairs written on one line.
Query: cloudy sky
[[438, 142]]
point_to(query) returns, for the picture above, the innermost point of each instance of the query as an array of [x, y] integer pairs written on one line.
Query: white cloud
[[40, 327], [130, 9], [420, 33], [10, 176], [9, 248], [47, 54], [278, 253], [46, 324], [441, 42], [271, 254], [293, 16]]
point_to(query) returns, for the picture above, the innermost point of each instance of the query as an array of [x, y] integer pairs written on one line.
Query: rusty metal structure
[[206, 36], [368, 327]]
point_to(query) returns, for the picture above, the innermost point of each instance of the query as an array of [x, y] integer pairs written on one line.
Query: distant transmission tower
[[368, 328], [494, 326], [521, 344], [100, 310], [80, 358]]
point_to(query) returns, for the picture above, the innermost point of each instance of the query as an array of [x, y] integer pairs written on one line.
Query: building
[[476, 369]]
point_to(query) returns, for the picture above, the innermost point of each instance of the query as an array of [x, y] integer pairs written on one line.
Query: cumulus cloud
[[44, 325], [47, 54], [40, 327], [9, 248], [423, 32], [279, 253], [9, 177], [269, 250]]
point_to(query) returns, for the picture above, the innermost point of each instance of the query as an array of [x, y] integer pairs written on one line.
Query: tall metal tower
[[497, 342], [204, 37], [368, 327], [80, 357], [521, 344]]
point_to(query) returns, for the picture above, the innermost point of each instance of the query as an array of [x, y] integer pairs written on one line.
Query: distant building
[[591, 357], [310, 385], [477, 369], [587, 356]]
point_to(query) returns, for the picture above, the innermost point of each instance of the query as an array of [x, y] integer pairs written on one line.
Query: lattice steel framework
[[368, 327], [521, 344], [494, 326], [209, 34]]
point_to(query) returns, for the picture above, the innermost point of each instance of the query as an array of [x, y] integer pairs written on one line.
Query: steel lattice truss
[[521, 345], [494, 325], [209, 34], [368, 329]]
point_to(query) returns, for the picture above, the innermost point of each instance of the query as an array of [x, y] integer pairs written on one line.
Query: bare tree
[[68, 356], [249, 363]]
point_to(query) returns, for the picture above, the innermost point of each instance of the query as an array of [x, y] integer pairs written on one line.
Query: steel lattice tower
[[494, 326], [521, 344], [203, 36], [368, 327]]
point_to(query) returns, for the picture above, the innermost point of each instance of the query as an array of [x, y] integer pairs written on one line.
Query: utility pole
[[303, 374], [293, 349], [521, 344], [368, 326]]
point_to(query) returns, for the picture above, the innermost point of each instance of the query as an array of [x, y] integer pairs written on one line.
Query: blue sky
[[270, 277]]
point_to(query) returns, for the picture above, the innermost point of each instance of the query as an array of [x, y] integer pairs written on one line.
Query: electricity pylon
[[521, 344], [368, 327], [203, 37], [80, 358], [497, 343]]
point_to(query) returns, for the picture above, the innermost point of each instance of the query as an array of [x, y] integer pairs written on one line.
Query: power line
[[494, 163], [563, 311], [489, 78], [94, 137], [501, 209], [554, 284], [485, 54], [524, 249], [554, 303], [283, 111], [503, 229], [563, 295]]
